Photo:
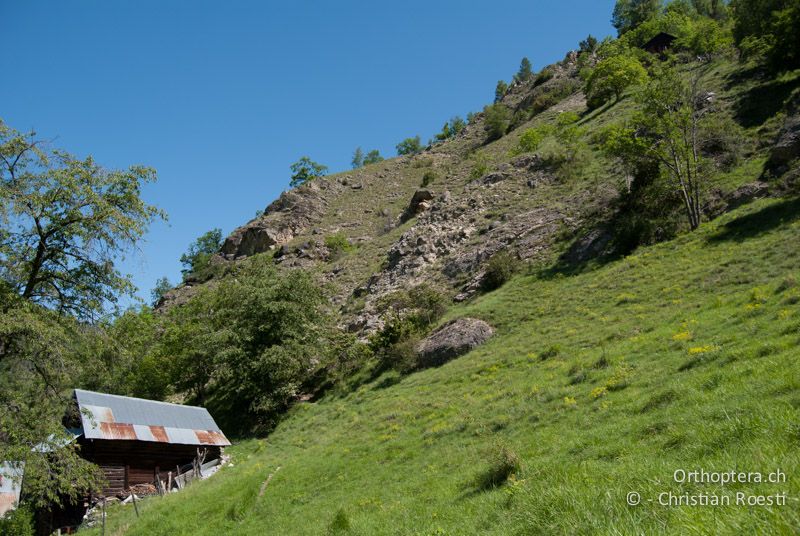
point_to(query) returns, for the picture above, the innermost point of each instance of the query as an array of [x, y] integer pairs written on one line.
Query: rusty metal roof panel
[[120, 417]]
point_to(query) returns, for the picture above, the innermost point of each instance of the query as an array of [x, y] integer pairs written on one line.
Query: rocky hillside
[[479, 198]]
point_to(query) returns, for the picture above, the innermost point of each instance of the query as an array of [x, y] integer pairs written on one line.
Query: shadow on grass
[[763, 101], [758, 223]]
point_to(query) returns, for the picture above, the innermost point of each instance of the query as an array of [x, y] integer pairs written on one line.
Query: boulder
[[787, 148], [420, 202], [452, 340]]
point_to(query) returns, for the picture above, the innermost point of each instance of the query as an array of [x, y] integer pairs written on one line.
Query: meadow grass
[[684, 355]]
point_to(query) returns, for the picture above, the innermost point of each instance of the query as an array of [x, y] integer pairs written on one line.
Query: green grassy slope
[[682, 356]]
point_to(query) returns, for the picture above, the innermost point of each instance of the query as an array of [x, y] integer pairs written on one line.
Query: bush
[[500, 90], [373, 157], [612, 77], [500, 268], [305, 170], [409, 146], [552, 351], [247, 347], [544, 75], [502, 463], [196, 260], [18, 522], [480, 166], [497, 118], [337, 244], [531, 139], [428, 178], [410, 314]]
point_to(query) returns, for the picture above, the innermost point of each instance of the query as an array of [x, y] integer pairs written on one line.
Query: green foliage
[[502, 463], [410, 314], [42, 353], [612, 77], [706, 37], [340, 523], [646, 207], [500, 90], [18, 522], [628, 14], [65, 222], [588, 45], [246, 347], [358, 158], [373, 157], [337, 244], [409, 146], [550, 95], [544, 75], [438, 427], [451, 129], [305, 170], [497, 118], [197, 258], [159, 290], [532, 138], [480, 165], [428, 178], [499, 269], [525, 71]]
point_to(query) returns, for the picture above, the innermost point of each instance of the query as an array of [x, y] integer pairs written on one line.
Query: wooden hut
[[658, 44], [135, 440]]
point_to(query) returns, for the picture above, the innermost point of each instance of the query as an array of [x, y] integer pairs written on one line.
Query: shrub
[[340, 523], [497, 118], [531, 139], [358, 158], [628, 14], [305, 170], [612, 77], [337, 244], [373, 157], [551, 352], [18, 522], [502, 463], [544, 75], [500, 90], [428, 178], [409, 146], [480, 166], [525, 71], [501, 266], [197, 258]]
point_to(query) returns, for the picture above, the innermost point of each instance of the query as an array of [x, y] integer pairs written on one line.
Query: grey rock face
[[452, 340]]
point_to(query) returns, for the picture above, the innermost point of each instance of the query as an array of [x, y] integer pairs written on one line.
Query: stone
[[452, 340], [787, 148], [419, 203]]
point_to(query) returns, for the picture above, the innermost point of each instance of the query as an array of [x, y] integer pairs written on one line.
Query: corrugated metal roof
[[10, 484], [121, 417]]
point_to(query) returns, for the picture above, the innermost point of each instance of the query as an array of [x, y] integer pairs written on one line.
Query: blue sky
[[221, 97]]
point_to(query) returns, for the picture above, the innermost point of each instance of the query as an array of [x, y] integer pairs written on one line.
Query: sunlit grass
[[591, 395]]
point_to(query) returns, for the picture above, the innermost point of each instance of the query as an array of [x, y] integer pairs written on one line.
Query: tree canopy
[[305, 170], [409, 146], [628, 14], [64, 223], [196, 258]]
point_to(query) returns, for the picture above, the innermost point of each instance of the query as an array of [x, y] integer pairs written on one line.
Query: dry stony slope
[[483, 200]]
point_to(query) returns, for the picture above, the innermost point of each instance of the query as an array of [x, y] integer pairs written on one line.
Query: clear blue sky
[[221, 97]]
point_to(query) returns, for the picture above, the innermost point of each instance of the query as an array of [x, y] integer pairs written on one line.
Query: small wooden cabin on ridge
[[133, 440], [659, 43]]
